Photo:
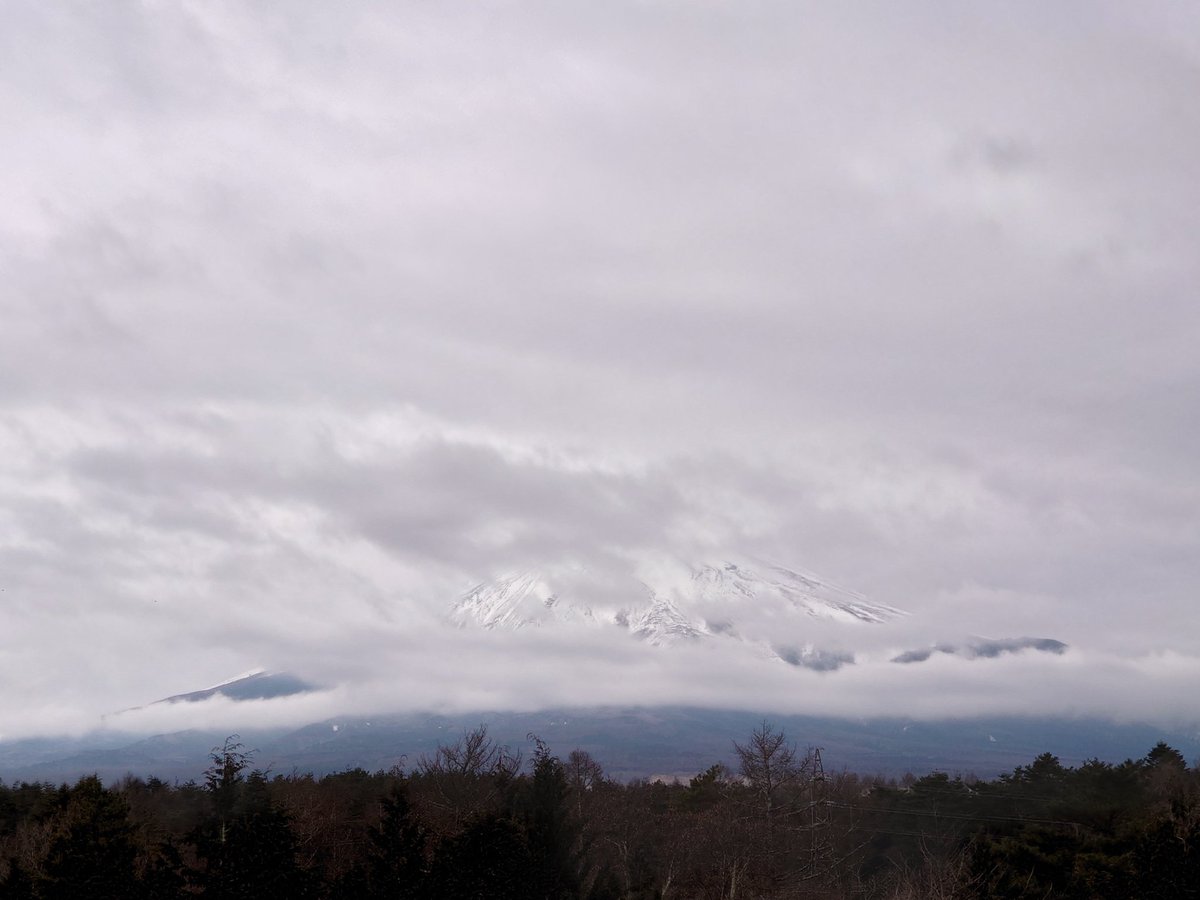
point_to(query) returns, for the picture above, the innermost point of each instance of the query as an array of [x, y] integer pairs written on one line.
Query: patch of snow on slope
[[516, 601]]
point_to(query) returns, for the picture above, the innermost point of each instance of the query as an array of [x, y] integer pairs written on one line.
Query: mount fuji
[[666, 603], [760, 612]]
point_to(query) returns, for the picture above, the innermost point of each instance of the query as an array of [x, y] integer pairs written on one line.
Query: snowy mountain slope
[[666, 604], [663, 623], [518, 601], [728, 584]]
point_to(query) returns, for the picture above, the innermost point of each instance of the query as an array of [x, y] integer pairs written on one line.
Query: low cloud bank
[[464, 671]]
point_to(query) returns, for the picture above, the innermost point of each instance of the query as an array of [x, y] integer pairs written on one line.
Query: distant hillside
[[632, 743]]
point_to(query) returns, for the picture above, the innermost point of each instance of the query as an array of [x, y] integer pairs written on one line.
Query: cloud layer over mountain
[[315, 317]]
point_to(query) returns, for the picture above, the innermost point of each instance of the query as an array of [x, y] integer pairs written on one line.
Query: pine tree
[[247, 845], [93, 854], [489, 861], [396, 851], [553, 833]]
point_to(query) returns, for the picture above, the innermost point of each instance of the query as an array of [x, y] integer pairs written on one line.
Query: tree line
[[478, 820]]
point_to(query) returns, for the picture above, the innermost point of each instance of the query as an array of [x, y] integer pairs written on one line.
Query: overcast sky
[[314, 315]]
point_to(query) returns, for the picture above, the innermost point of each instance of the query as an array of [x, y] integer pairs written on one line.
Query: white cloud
[[314, 316]]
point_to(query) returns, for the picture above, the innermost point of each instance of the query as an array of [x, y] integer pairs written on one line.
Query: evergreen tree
[[93, 854], [396, 865], [18, 885], [552, 832], [490, 860], [248, 848]]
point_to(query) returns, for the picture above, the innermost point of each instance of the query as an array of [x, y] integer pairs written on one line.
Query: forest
[[480, 820]]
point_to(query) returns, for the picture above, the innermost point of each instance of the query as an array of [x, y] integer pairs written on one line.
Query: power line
[[940, 815], [970, 793]]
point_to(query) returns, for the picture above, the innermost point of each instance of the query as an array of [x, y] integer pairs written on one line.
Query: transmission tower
[[820, 849]]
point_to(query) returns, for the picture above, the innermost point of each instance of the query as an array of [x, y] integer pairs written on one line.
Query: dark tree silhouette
[[247, 847], [93, 853]]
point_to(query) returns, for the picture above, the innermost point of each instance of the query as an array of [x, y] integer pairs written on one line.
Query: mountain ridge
[[630, 742], [669, 604]]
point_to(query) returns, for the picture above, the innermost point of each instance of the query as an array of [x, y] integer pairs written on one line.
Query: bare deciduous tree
[[770, 764], [463, 779], [474, 754]]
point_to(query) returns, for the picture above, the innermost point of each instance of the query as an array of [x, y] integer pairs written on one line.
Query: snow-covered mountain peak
[[665, 602], [764, 583]]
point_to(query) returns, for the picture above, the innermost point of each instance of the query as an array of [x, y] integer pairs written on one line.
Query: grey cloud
[[431, 499], [1003, 155], [313, 316]]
